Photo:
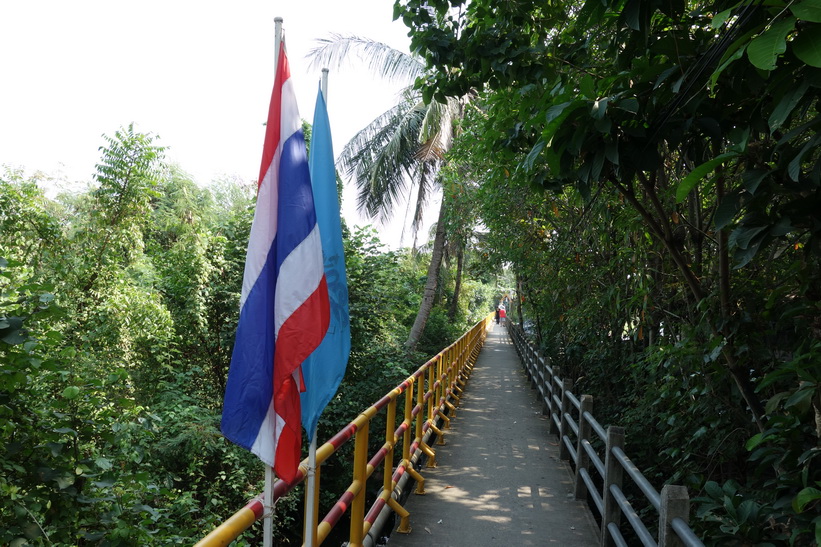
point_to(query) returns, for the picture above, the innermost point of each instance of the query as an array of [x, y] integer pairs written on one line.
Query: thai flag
[[284, 307]]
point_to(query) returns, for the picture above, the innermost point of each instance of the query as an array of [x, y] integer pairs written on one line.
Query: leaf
[[782, 227], [599, 108], [786, 106], [13, 332], [794, 167], [604, 125], [807, 47], [555, 111], [730, 60], [742, 235], [598, 163], [752, 179], [764, 50], [587, 87], [71, 392], [726, 210], [733, 52], [557, 114], [739, 136], [631, 14], [754, 441], [103, 463], [774, 401], [64, 481], [805, 497], [745, 255], [629, 104], [611, 151], [720, 18], [534, 153], [809, 10], [747, 511], [664, 75], [714, 490], [692, 179], [800, 400]]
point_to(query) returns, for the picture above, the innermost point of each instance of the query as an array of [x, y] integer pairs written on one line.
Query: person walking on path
[[502, 314]]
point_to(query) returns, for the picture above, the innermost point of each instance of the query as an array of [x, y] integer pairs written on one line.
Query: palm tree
[[400, 149]]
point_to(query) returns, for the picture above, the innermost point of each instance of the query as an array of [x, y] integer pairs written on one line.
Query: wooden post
[[567, 385], [582, 459], [538, 379], [675, 503], [530, 365], [613, 474]]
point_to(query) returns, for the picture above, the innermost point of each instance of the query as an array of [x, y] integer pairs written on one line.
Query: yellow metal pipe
[[360, 462], [420, 480], [404, 516], [430, 453], [390, 441], [229, 530], [447, 425], [406, 437], [447, 373]]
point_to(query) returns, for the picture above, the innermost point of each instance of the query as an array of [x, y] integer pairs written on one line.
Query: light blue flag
[[324, 368]]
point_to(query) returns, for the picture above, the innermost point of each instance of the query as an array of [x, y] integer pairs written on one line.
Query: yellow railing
[[430, 396]]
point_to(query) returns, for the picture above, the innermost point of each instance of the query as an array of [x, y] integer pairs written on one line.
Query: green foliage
[[651, 172], [118, 308], [104, 318]]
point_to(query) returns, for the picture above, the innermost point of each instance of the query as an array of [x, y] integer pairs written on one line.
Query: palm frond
[[381, 158], [426, 178], [438, 129], [404, 146], [380, 58]]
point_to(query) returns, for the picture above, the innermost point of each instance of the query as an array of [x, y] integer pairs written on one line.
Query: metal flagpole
[[268, 508], [324, 85], [268, 495], [311, 494]]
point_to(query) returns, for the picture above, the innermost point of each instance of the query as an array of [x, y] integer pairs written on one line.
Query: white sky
[[198, 74]]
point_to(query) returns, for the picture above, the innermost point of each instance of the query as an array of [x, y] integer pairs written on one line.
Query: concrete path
[[499, 479]]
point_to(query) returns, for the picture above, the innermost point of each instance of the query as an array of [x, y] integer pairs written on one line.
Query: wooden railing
[[573, 422]]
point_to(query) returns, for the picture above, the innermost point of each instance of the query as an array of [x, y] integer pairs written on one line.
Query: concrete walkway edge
[[499, 479]]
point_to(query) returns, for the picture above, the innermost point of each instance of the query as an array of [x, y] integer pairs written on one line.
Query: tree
[[405, 145], [700, 118]]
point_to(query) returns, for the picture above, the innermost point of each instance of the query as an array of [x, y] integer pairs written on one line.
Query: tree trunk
[[430, 285], [660, 227], [454, 304], [519, 300]]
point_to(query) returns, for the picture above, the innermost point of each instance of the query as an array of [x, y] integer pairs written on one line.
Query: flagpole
[[268, 494], [268, 508], [311, 494]]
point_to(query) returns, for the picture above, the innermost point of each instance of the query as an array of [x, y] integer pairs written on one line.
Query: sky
[[196, 74]]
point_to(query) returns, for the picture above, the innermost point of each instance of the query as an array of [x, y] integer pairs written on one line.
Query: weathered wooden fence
[[573, 422]]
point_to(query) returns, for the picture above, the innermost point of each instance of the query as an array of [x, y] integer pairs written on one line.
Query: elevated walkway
[[499, 479]]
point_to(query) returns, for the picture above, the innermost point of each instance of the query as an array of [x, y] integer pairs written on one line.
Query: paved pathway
[[499, 479]]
